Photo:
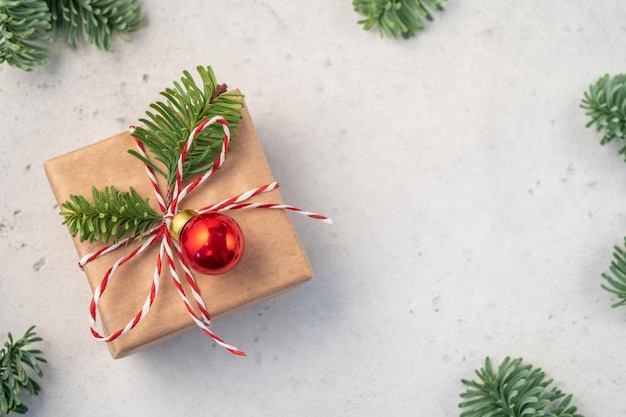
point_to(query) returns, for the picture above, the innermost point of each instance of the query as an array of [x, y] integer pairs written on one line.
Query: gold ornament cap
[[179, 222]]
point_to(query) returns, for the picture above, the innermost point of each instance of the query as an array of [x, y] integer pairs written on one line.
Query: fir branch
[[22, 26], [95, 20], [14, 361], [605, 103], [396, 18], [113, 214], [616, 279], [168, 127], [515, 390]]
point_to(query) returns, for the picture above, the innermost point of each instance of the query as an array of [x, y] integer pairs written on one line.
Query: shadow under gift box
[[273, 261]]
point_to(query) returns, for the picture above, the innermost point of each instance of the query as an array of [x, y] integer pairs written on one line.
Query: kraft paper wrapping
[[273, 261]]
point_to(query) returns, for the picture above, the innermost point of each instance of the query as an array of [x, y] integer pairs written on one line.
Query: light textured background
[[473, 211]]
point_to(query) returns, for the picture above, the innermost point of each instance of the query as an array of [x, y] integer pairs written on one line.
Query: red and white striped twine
[[161, 234]]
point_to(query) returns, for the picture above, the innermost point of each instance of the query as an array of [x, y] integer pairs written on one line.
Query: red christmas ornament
[[211, 243]]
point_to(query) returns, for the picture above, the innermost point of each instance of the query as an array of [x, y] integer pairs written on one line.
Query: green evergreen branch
[[113, 214], [14, 361], [22, 31], [616, 280], [605, 103], [169, 124], [515, 390], [396, 18], [95, 20], [24, 23]]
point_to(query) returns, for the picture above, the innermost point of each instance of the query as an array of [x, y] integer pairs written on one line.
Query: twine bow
[[168, 245]]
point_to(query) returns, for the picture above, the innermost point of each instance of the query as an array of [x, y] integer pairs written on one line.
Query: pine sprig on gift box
[[169, 126], [396, 18], [515, 390], [22, 33], [95, 20], [111, 214], [24, 25], [605, 104], [14, 361]]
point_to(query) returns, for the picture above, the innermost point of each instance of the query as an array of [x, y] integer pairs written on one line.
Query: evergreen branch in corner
[[23, 24], [514, 390], [95, 20], [396, 18], [14, 362], [169, 124], [112, 214]]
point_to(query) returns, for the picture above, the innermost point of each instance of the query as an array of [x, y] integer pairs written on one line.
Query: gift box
[[273, 261]]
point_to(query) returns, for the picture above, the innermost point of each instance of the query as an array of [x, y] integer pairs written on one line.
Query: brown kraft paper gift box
[[273, 261]]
